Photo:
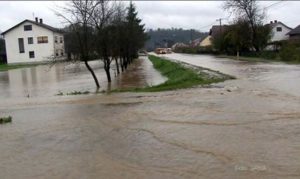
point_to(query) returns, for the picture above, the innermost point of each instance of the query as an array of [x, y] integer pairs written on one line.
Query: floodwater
[[277, 76], [49, 80], [245, 128]]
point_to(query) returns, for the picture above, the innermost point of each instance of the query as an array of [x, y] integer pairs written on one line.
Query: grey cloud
[[155, 14]]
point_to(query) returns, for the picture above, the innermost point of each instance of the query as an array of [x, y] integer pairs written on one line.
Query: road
[[245, 128]]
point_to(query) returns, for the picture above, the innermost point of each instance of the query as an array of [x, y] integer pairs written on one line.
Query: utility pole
[[220, 33], [220, 20]]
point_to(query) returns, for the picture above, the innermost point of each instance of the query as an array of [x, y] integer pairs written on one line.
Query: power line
[[220, 19], [273, 4], [207, 25], [214, 22]]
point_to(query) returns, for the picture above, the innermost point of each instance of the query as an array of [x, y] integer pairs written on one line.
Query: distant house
[[33, 41], [217, 30], [196, 42], [206, 42], [278, 33], [179, 45], [294, 34]]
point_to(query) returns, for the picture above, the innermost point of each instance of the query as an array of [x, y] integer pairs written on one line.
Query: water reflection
[[44, 80]]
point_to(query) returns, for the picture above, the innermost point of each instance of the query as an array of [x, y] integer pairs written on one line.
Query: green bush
[[289, 52], [268, 54], [263, 54], [4, 120]]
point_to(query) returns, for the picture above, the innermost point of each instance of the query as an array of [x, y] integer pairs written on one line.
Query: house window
[[56, 53], [55, 39], [61, 39], [31, 54], [21, 45], [42, 39], [62, 52], [278, 29], [27, 27], [30, 40]]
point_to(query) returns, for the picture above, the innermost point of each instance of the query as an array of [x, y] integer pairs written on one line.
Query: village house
[[179, 45], [279, 32], [33, 41], [196, 42], [217, 30], [206, 42], [294, 34]]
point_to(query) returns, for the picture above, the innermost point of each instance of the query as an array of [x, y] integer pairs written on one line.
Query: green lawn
[[5, 67], [178, 77]]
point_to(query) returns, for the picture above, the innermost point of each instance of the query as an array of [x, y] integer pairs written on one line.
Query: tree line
[[247, 31], [246, 35], [168, 37], [102, 30]]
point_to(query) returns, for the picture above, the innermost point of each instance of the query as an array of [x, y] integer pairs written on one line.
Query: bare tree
[[101, 19], [249, 10], [118, 33], [78, 16], [105, 30]]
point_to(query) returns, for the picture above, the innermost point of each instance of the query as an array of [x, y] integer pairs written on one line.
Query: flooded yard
[[48, 80], [245, 128]]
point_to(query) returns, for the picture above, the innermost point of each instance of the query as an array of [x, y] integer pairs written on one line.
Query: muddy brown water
[[47, 80], [245, 128]]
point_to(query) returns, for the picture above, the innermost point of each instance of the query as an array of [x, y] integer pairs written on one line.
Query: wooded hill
[[168, 37]]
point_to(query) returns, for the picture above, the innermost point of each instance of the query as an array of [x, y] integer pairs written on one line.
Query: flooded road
[[277, 76], [245, 128]]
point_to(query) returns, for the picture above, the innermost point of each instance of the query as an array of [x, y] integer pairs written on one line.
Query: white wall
[[278, 36], [59, 46], [42, 51]]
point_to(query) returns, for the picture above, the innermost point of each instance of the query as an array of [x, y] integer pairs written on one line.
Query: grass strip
[[179, 77]]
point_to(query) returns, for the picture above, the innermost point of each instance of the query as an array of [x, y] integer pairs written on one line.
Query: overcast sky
[[199, 15]]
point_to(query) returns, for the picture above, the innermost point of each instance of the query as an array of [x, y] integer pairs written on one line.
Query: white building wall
[[58, 46], [42, 51], [278, 36]]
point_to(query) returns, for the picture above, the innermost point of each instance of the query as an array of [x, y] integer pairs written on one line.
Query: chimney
[[41, 21], [36, 19], [275, 21], [271, 22]]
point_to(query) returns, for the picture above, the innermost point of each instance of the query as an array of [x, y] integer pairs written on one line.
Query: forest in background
[[168, 37]]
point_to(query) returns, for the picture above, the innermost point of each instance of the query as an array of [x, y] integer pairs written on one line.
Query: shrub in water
[[5, 119]]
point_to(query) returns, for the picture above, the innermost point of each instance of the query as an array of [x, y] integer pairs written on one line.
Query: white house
[[279, 32], [33, 41]]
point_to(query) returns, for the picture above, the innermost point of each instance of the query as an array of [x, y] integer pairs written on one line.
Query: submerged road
[[245, 128]]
